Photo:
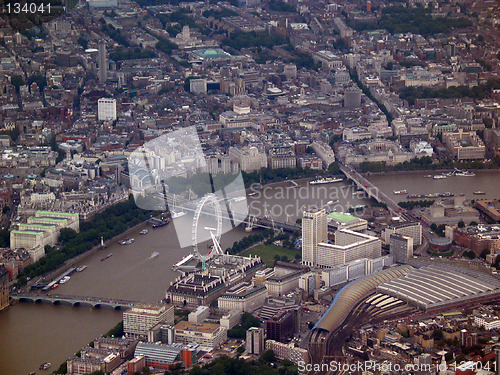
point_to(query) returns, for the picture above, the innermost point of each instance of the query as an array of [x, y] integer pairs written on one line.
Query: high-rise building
[[255, 340], [349, 245], [102, 62], [106, 109], [314, 231], [401, 248], [4, 288]]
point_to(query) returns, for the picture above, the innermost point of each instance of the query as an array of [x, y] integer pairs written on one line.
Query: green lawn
[[267, 253]]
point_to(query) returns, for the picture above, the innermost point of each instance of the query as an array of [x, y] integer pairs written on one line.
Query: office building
[[324, 152], [207, 335], [348, 246], [464, 145], [401, 248], [412, 229], [314, 231], [352, 98], [255, 340], [249, 159], [281, 326], [41, 230], [199, 315], [230, 319], [102, 62], [106, 109], [198, 86], [4, 287], [138, 320], [243, 297], [283, 283]]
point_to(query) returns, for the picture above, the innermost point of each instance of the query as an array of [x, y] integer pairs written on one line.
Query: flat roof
[[37, 225], [27, 232], [47, 219], [56, 213], [341, 216], [196, 327]]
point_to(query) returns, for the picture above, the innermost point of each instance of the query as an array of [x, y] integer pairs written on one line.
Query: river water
[[416, 183], [32, 334]]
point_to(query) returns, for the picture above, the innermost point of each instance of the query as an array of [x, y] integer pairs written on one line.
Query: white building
[[106, 109], [283, 284], [255, 340], [325, 152], [207, 335], [243, 297], [314, 231], [288, 351], [249, 159], [199, 315], [349, 246], [487, 321], [422, 148], [138, 320]]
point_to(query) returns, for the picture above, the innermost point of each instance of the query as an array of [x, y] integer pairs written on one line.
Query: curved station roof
[[436, 286], [349, 296]]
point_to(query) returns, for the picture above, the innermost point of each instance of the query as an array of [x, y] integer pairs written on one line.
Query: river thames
[[33, 334]]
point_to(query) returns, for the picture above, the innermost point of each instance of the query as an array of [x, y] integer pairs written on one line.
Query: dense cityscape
[[250, 186]]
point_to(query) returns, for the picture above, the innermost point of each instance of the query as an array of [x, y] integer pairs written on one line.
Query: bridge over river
[[374, 192], [57, 299]]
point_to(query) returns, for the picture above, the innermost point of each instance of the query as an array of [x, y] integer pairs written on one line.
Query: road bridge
[[373, 191], [57, 299]]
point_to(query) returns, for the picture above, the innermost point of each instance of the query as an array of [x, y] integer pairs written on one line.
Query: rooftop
[[342, 217]]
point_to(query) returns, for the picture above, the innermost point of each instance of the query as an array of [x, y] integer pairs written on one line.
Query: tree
[[268, 356], [488, 122], [437, 334], [17, 81], [66, 235]]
